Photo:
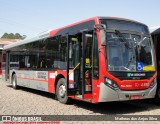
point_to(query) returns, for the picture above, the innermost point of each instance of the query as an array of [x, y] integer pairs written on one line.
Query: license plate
[[134, 97]]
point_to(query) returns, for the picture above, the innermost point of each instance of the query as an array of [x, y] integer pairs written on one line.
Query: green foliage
[[13, 36], [5, 35]]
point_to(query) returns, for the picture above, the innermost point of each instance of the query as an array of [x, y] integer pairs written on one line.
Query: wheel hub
[[62, 90]]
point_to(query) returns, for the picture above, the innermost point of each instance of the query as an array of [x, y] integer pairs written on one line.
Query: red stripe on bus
[[32, 79]]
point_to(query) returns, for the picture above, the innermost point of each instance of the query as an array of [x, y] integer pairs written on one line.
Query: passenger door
[[80, 63]]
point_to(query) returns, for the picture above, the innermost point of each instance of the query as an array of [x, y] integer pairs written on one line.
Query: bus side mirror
[[103, 37], [102, 29]]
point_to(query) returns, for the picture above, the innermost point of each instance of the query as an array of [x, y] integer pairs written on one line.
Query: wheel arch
[[56, 80]]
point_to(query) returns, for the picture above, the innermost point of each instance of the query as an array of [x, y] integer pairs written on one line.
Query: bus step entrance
[[74, 91], [79, 96], [87, 97]]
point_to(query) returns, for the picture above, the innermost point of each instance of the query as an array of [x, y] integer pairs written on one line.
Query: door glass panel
[[88, 62], [95, 58]]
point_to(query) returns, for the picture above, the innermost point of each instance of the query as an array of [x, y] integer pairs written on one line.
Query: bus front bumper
[[107, 94]]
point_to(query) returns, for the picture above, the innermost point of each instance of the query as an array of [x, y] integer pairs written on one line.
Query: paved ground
[[30, 102]]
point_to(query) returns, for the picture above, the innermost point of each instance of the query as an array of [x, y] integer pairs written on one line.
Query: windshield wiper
[[130, 61], [122, 39]]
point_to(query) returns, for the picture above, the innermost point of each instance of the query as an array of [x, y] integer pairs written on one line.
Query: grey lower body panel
[[107, 94], [31, 79]]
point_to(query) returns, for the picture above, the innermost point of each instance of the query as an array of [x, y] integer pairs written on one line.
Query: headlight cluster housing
[[111, 84], [153, 83]]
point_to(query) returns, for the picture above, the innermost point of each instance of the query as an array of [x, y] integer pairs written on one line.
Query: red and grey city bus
[[100, 59]]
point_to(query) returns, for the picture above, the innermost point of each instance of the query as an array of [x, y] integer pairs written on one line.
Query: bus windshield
[[129, 52]]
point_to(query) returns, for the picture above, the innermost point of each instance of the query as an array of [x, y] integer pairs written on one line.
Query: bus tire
[[61, 91], [14, 81]]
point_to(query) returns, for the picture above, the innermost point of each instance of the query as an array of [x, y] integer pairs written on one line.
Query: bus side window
[[95, 57], [74, 51], [52, 52], [62, 63]]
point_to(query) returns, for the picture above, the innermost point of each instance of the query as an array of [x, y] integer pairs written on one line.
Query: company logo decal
[[136, 74]]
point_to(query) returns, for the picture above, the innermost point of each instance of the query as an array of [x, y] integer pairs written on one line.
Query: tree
[[13, 36], [5, 35], [17, 36]]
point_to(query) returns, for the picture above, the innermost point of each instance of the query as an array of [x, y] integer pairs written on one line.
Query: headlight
[[111, 84]]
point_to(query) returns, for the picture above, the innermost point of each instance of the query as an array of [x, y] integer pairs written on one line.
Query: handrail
[[74, 68]]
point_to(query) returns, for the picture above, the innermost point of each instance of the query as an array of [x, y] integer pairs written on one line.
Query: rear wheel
[[61, 91], [14, 81]]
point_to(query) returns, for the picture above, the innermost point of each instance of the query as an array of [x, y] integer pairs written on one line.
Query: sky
[[30, 17]]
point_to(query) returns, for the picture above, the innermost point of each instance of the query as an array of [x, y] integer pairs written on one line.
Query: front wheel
[[61, 91], [14, 81]]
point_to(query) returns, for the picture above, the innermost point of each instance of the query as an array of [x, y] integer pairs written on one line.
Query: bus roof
[[87, 24]]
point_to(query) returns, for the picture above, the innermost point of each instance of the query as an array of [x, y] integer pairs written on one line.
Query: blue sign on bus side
[[139, 66]]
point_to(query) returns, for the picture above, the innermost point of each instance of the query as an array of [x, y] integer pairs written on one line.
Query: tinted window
[[63, 52], [52, 52], [44, 54], [95, 58], [125, 25]]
